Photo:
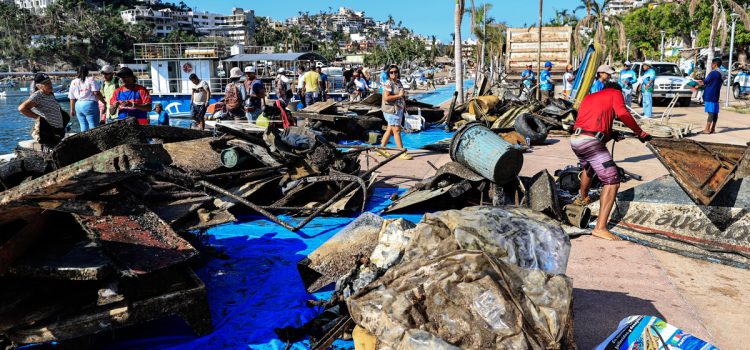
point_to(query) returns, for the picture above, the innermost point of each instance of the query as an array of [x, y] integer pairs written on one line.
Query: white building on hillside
[[617, 7], [35, 5]]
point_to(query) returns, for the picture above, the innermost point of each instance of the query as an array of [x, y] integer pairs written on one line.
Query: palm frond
[[693, 6], [738, 9]]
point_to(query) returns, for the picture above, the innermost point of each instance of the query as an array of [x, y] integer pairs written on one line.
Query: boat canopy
[[290, 56]]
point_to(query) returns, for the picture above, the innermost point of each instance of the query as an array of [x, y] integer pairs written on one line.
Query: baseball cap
[[250, 69], [281, 70], [41, 78], [235, 72], [529, 65], [107, 69], [605, 68], [548, 64], [125, 72], [627, 63]]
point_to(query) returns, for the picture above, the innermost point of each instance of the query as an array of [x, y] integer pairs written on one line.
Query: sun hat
[[235, 72], [605, 68]]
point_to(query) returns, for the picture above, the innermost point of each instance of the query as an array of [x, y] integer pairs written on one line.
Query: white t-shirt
[[201, 97], [567, 85], [301, 81], [361, 84], [83, 90]]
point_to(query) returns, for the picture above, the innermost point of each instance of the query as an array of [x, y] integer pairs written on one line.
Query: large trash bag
[[512, 235], [468, 300]]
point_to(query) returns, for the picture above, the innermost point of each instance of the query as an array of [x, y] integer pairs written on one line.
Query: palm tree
[[585, 5], [603, 28], [718, 18], [458, 15]]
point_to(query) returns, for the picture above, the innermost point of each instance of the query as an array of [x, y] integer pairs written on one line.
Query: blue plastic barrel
[[486, 153]]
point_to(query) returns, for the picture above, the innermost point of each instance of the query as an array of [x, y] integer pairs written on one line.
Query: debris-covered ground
[[126, 207]]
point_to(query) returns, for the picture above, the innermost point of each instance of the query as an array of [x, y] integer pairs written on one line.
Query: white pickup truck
[[670, 82]]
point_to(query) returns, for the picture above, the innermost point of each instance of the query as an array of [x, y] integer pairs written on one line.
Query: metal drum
[[483, 151]]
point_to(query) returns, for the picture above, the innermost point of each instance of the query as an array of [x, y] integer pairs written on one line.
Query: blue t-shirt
[[712, 86], [544, 78], [649, 76], [528, 75], [596, 86], [627, 79], [324, 80], [163, 118], [257, 87]]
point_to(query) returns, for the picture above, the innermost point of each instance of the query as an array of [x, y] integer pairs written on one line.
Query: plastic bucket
[[486, 153]]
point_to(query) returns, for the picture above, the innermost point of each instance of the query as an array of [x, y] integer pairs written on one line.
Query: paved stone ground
[[613, 280]]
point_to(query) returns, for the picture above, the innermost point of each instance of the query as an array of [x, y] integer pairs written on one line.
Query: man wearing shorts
[[593, 129], [199, 100], [711, 92]]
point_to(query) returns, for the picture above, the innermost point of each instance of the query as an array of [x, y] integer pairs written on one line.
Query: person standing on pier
[[44, 109], [83, 94], [312, 87], [647, 89], [393, 106], [234, 96], [323, 83], [199, 97], [712, 87], [282, 85], [109, 84], [256, 94], [546, 84], [130, 99]]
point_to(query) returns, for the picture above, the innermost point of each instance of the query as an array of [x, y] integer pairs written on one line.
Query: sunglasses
[[393, 72]]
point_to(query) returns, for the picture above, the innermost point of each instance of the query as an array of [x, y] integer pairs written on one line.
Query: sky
[[426, 17]]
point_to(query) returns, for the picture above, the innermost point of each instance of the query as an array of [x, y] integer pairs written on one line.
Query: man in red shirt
[[593, 129]]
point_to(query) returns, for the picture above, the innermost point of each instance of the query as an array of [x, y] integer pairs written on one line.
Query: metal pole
[[484, 38], [734, 17], [539, 53]]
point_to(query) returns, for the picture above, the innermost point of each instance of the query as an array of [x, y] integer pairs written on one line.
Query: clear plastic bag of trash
[[468, 300], [516, 236]]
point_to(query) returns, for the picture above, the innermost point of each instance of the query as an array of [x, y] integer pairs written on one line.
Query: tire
[[685, 102], [532, 128], [736, 91]]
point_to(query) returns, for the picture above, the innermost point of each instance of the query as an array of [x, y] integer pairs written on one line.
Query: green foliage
[[399, 51]]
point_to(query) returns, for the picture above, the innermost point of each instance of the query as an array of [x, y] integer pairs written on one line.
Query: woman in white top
[[568, 79], [83, 94]]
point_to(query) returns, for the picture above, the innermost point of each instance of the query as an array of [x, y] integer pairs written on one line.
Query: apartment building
[[36, 6], [238, 27]]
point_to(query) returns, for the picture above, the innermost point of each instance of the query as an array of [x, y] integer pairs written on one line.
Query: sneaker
[[383, 153], [405, 156]]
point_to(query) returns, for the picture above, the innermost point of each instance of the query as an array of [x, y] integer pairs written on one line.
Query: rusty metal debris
[[702, 169]]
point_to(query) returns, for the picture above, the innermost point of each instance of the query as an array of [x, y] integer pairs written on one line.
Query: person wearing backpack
[[234, 96]]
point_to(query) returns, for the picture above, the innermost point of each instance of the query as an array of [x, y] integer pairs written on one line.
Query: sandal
[[405, 156], [383, 153]]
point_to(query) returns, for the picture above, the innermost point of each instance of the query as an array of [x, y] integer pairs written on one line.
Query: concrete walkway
[[613, 280]]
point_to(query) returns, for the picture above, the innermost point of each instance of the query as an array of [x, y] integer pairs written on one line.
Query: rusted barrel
[[486, 153]]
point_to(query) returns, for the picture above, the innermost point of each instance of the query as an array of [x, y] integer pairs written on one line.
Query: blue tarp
[[257, 288], [442, 94]]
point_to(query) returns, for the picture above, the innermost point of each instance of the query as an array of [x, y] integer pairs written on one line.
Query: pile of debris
[[362, 120], [92, 234], [471, 279]]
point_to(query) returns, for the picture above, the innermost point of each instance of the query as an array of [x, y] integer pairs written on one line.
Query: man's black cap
[[40, 78]]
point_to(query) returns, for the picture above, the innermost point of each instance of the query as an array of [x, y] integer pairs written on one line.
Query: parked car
[[670, 82], [741, 84]]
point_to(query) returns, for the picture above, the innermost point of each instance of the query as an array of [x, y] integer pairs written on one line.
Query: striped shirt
[[46, 106]]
